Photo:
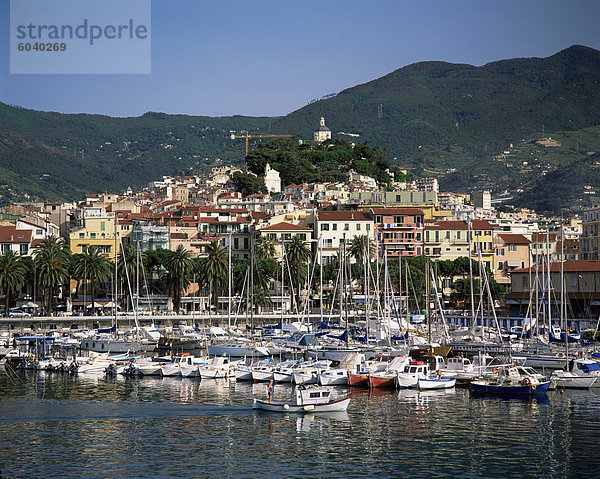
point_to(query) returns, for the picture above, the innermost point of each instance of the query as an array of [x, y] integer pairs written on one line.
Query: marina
[[93, 426]]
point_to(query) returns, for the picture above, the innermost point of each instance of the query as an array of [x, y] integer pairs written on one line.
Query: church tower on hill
[[322, 133]]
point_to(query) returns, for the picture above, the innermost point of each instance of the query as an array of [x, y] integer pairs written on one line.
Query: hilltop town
[[407, 219]]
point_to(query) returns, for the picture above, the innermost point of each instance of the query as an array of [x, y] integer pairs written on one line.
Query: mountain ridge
[[430, 116]]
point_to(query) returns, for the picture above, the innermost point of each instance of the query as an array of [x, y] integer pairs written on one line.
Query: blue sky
[[270, 57]]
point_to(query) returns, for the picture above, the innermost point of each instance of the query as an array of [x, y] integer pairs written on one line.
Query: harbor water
[[54, 425]]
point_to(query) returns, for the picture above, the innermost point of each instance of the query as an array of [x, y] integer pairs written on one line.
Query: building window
[[93, 235], [236, 243], [346, 227], [500, 265], [426, 237], [512, 247], [39, 232], [103, 226], [500, 252], [245, 243], [334, 226], [418, 236], [324, 226], [357, 226], [81, 235], [24, 248], [458, 235]]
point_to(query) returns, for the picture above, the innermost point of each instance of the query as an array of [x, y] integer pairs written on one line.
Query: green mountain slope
[[439, 119], [479, 109], [49, 155]]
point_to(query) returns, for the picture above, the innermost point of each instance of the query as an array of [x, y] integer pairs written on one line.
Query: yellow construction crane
[[247, 136]]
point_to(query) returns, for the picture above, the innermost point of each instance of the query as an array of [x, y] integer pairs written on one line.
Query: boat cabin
[[416, 367], [312, 395], [585, 367], [458, 364]]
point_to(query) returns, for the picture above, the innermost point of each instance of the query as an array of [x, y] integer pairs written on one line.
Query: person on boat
[[270, 391]]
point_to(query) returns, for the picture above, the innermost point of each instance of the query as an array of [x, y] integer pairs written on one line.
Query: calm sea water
[[93, 427]]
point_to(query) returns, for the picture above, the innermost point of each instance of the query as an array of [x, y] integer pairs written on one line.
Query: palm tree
[[93, 266], [214, 268], [264, 248], [358, 248], [12, 275], [298, 254], [52, 261], [180, 266]]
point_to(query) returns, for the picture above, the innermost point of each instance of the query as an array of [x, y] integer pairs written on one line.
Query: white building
[[322, 133], [272, 179], [332, 227]]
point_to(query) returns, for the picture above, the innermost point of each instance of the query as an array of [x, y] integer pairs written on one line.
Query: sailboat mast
[[229, 281], [115, 283]]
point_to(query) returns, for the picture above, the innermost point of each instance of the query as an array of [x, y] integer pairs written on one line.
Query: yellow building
[[482, 240], [99, 230]]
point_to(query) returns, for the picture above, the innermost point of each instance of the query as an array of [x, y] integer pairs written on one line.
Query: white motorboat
[[586, 368], [262, 373], [333, 377], [219, 367], [436, 383], [570, 380], [243, 372], [238, 350], [308, 400], [413, 371]]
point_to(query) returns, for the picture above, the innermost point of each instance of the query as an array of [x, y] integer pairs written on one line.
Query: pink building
[[399, 230]]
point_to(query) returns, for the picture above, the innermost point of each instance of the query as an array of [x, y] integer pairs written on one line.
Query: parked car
[[18, 313]]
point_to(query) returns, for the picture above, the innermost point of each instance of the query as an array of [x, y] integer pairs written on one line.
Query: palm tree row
[[167, 272]]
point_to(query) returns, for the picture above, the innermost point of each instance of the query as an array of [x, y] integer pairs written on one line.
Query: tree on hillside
[[248, 184]]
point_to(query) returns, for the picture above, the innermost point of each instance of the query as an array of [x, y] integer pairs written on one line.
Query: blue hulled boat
[[510, 382]]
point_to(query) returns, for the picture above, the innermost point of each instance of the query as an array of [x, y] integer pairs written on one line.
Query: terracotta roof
[[446, 225], [481, 225], [571, 266], [10, 234], [343, 216], [285, 227], [397, 211], [541, 237], [260, 215], [510, 238]]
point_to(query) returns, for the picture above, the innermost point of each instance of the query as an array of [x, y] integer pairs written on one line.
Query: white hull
[[572, 381], [300, 378], [170, 370], [282, 376], [237, 350], [428, 384], [111, 345], [333, 378], [289, 407], [150, 369], [262, 375]]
